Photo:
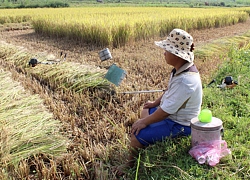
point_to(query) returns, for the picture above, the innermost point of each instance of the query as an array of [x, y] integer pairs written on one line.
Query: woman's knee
[[135, 143], [144, 113]]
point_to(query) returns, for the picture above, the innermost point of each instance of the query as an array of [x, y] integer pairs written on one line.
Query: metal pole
[[138, 92]]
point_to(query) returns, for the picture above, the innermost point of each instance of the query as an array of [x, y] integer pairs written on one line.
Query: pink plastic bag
[[210, 152]]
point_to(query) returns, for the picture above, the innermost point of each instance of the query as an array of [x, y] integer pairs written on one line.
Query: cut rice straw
[[66, 75], [27, 128]]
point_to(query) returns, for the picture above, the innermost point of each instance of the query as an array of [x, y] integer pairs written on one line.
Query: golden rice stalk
[[26, 127]]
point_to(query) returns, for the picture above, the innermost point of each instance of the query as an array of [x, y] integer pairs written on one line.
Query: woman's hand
[[155, 117], [149, 104], [137, 126]]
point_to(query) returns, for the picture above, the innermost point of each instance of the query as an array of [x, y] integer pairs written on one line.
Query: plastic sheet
[[210, 152]]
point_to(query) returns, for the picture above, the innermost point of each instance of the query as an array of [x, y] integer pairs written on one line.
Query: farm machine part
[[115, 74], [213, 81], [137, 92], [33, 61], [105, 54], [227, 82]]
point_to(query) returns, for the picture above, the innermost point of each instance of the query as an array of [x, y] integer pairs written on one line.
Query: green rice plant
[[27, 128]]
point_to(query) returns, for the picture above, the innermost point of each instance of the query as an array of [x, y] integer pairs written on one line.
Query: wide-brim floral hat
[[179, 43]]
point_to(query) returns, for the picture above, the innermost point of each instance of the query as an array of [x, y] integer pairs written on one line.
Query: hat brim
[[165, 44]]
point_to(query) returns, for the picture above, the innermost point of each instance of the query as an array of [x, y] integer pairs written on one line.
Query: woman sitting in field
[[170, 114]]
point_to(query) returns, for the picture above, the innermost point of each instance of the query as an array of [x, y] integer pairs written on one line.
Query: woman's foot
[[120, 170]]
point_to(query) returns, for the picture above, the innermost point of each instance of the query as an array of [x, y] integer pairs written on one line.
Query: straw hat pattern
[[179, 43]]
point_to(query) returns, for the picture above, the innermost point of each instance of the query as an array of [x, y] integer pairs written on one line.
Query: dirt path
[[207, 35]]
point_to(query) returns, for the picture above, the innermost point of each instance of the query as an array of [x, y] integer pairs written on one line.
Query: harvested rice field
[[85, 127]]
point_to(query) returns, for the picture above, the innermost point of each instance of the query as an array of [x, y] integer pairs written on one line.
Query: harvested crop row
[[27, 128], [62, 75]]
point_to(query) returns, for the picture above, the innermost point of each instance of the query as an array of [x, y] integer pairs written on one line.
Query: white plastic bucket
[[105, 54], [202, 132]]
